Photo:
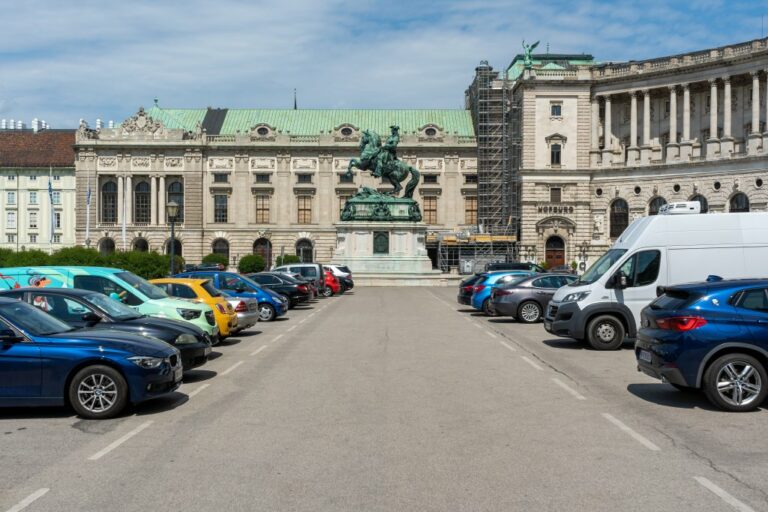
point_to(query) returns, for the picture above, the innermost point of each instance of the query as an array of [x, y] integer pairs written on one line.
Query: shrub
[[287, 259], [574, 265], [77, 256], [250, 263], [216, 258], [544, 265]]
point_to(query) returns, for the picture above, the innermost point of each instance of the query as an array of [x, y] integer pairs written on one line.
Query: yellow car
[[201, 290]]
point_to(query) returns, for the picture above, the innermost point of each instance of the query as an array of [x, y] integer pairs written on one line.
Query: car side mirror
[[91, 318], [9, 336]]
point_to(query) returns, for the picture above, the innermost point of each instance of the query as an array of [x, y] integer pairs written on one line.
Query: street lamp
[[172, 209]]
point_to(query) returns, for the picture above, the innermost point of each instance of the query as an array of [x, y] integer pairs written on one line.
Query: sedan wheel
[[488, 308], [529, 312], [327, 292], [266, 313], [736, 382], [98, 392]]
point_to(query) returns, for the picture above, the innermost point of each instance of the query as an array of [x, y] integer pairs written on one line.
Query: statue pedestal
[[382, 253]]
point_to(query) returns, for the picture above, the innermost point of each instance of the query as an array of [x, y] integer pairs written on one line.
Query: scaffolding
[[467, 252]]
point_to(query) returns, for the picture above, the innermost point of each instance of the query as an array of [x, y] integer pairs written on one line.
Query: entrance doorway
[[555, 251]]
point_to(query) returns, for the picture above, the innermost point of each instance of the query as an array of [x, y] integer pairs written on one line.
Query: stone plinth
[[387, 254]]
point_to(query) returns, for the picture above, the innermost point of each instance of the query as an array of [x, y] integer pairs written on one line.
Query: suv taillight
[[681, 323], [468, 288], [241, 307], [302, 288], [478, 288]]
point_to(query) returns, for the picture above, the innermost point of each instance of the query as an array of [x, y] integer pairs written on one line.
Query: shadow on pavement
[[198, 375], [502, 320], [20, 413], [160, 404], [572, 344], [664, 394], [248, 333], [229, 342], [467, 310], [281, 319], [214, 355]]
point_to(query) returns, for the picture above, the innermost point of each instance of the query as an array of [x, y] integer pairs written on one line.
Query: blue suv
[[711, 336], [271, 304], [481, 291], [44, 362]]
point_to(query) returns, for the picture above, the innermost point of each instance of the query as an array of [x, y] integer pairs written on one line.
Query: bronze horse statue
[[382, 162]]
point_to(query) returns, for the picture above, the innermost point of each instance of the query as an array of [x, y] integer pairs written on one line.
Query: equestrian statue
[[382, 162]]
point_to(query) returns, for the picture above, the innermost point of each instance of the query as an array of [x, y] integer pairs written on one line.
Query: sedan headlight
[[185, 339], [575, 297], [146, 362], [188, 314]]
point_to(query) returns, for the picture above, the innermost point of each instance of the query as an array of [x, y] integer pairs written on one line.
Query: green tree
[[32, 257], [216, 258], [287, 259], [251, 263], [77, 256]]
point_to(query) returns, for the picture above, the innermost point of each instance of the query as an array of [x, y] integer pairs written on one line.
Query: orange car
[[201, 290]]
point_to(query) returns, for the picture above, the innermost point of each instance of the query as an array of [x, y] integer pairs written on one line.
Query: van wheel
[[266, 313], [98, 392], [736, 382], [488, 308], [529, 312], [605, 332]]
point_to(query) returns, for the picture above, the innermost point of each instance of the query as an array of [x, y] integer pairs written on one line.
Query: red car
[[332, 285]]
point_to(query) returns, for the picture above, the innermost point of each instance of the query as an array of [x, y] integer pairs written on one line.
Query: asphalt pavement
[[395, 399]]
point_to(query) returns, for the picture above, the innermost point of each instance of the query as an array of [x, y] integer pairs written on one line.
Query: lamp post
[[172, 209]]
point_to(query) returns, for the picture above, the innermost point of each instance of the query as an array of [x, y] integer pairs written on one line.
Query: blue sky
[[62, 61]]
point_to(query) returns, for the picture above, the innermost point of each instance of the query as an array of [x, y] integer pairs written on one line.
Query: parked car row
[[691, 292], [97, 339]]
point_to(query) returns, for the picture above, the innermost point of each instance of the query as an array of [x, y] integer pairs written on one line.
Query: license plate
[[645, 356], [177, 374]]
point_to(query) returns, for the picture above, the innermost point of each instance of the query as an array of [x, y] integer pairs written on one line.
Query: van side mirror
[[91, 318], [617, 280], [9, 336]]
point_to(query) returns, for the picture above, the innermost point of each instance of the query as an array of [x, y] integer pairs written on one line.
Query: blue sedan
[[45, 362], [481, 292]]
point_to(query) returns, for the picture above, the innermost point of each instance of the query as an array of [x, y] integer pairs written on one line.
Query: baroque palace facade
[[258, 181], [602, 144]]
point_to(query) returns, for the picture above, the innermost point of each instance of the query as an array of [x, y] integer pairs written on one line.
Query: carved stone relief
[[304, 163], [140, 162], [262, 163], [468, 164], [106, 162], [221, 163], [174, 162], [142, 123], [430, 164]]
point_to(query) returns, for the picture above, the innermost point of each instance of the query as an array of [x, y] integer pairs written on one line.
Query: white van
[[603, 306]]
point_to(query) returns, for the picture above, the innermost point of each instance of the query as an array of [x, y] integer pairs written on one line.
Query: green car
[[119, 284]]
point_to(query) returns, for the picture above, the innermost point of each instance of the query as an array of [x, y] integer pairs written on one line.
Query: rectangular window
[[430, 178], [10, 221], [33, 238], [32, 220], [430, 209], [262, 178], [346, 178], [56, 177], [57, 238], [556, 110], [33, 197], [33, 177], [304, 178], [470, 178], [220, 208], [666, 107], [342, 201], [11, 198], [57, 220], [11, 238], [555, 154], [56, 197], [220, 177], [470, 210], [262, 209], [555, 194], [11, 177], [304, 209]]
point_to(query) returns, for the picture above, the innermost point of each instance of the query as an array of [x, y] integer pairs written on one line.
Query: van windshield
[[142, 285], [600, 267]]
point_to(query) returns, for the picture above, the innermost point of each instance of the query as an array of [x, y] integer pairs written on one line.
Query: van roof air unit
[[680, 208]]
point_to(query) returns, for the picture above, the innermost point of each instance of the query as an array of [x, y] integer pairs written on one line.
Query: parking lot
[[395, 399]]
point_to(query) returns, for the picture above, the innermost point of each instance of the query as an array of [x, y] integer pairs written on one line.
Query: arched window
[[141, 245], [619, 217], [655, 205], [109, 202], [176, 247], [739, 203], [304, 250], [263, 247], [176, 193], [142, 206], [220, 246], [702, 201], [106, 246]]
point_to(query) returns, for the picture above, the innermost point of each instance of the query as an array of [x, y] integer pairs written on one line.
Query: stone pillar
[[128, 200], [765, 134], [726, 143], [594, 152], [120, 199], [645, 151], [633, 152], [755, 139], [685, 143], [607, 134], [161, 193], [153, 200], [713, 144], [673, 148]]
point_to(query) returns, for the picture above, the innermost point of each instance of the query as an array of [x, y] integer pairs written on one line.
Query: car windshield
[[113, 308], [142, 285], [208, 287], [600, 267], [31, 320]]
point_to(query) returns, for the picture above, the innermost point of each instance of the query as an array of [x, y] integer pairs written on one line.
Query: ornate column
[[685, 143], [645, 151], [713, 144], [128, 200], [594, 152], [607, 134], [120, 201], [161, 202], [765, 134], [673, 149], [726, 143], [754, 139], [633, 152], [153, 200]]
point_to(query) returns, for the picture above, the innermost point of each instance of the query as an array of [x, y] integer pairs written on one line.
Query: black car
[[85, 309], [346, 282], [466, 289], [530, 267], [287, 286]]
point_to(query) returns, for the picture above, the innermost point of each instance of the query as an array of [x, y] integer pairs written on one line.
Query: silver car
[[247, 310], [526, 299]]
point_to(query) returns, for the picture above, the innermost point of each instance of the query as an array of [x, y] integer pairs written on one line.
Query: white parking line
[[228, 370], [258, 350], [302, 320], [29, 500], [569, 389], [197, 390], [489, 333], [723, 495], [510, 347], [277, 338], [311, 315], [477, 325], [100, 454], [530, 362], [290, 329], [637, 437]]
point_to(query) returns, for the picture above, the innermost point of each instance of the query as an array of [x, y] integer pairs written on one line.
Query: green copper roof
[[315, 122], [549, 61]]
